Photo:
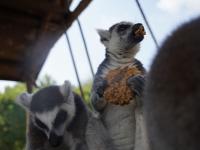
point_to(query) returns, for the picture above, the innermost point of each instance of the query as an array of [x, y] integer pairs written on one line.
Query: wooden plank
[[34, 7], [11, 72], [31, 32], [7, 62]]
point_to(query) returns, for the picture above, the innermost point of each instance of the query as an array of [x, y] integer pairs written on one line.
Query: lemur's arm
[[98, 88], [136, 83]]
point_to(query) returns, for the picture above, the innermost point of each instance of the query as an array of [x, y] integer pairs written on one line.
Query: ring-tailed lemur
[[58, 119], [172, 94], [121, 44], [52, 113]]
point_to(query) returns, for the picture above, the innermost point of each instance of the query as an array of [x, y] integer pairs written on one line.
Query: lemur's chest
[[117, 90], [115, 66]]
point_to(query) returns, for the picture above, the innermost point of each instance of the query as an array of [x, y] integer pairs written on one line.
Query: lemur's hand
[[136, 83], [98, 101]]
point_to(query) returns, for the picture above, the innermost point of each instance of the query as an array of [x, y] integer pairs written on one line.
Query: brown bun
[[118, 91]]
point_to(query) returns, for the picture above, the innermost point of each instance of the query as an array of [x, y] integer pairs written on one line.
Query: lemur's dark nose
[[55, 140], [137, 25], [138, 32], [138, 29]]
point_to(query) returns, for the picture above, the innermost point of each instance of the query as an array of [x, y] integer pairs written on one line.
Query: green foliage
[[12, 119], [12, 126], [86, 91], [10, 93], [45, 81]]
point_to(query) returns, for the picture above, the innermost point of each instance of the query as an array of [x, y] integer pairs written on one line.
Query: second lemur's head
[[51, 110], [122, 38]]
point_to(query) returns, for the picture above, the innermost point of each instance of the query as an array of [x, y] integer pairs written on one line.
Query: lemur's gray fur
[[172, 95], [58, 119], [121, 46], [53, 118]]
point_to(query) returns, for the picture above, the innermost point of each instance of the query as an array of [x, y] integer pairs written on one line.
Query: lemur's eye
[[40, 124], [123, 27], [60, 118]]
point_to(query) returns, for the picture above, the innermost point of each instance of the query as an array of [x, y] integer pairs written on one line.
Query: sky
[[164, 17]]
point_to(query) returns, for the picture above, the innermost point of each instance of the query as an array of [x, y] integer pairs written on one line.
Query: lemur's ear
[[66, 89], [24, 100], [104, 36]]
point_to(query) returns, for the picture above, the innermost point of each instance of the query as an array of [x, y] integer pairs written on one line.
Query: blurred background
[[163, 16]]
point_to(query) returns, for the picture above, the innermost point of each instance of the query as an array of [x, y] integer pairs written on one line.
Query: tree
[[45, 81]]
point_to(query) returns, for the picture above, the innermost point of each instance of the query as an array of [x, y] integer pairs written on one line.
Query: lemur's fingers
[[101, 88], [136, 83], [138, 64]]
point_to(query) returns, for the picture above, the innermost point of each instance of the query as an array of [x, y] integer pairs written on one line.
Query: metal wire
[[147, 23], [85, 46], [74, 64]]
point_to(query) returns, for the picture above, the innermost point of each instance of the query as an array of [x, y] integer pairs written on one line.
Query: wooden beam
[[47, 39], [71, 16], [30, 7], [10, 62], [11, 71], [29, 86]]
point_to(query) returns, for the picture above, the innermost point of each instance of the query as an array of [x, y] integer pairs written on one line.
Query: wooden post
[[29, 86]]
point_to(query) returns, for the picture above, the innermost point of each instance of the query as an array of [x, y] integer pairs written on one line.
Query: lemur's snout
[[55, 140], [139, 30]]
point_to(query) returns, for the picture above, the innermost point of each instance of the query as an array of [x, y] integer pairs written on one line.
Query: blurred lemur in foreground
[[172, 94], [59, 120], [121, 45]]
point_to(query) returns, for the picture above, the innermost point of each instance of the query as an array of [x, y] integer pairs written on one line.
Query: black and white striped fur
[[57, 119]]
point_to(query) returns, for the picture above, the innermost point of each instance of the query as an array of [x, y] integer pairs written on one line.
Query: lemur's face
[[51, 110], [123, 36]]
